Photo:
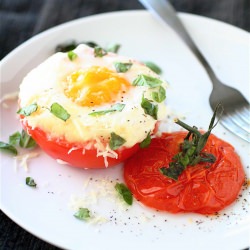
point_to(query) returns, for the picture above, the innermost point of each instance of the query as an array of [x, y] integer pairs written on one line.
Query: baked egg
[[90, 108]]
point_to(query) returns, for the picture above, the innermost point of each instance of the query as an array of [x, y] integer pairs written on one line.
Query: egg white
[[45, 85]]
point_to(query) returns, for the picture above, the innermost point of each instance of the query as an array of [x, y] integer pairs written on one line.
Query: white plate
[[45, 211]]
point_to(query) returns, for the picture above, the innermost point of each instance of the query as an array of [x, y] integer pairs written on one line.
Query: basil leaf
[[82, 214], [173, 171], [58, 111], [153, 67], [116, 141], [122, 67], [146, 142], [72, 55], [149, 108], [65, 47], [91, 44], [8, 148], [30, 182], [159, 96], [114, 48], [99, 52], [149, 81], [15, 138], [124, 192], [26, 141], [116, 107], [28, 110]]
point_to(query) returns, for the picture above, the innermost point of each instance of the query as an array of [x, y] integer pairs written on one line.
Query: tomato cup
[[77, 155]]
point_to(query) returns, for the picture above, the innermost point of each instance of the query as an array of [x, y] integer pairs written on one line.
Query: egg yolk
[[95, 86]]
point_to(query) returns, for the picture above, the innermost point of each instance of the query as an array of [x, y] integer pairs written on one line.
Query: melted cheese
[[45, 85]]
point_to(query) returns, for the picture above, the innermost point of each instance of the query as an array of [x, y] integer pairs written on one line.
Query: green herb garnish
[[65, 47], [30, 182], [28, 110], [26, 141], [58, 111], [160, 95], [72, 55], [153, 67], [114, 48], [23, 139], [82, 214], [149, 81], [124, 192], [149, 108], [91, 44], [122, 67], [116, 107], [99, 52], [14, 139], [8, 148], [146, 142], [116, 141], [191, 148]]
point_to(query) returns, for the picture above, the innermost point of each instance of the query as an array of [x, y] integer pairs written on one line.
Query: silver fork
[[236, 115]]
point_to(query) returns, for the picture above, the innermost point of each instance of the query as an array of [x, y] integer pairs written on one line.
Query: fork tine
[[240, 117], [237, 119], [245, 114], [228, 123]]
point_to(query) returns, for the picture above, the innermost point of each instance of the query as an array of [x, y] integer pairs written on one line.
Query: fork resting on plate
[[236, 115]]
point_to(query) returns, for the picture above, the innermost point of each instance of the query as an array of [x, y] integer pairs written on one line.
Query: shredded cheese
[[24, 158], [104, 151], [95, 192], [61, 162]]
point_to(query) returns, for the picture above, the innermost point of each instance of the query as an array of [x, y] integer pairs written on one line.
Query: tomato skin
[[204, 188], [74, 154]]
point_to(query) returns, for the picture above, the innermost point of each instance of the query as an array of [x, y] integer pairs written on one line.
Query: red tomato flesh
[[203, 188], [74, 154]]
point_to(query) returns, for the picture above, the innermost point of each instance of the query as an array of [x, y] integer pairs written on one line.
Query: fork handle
[[165, 11]]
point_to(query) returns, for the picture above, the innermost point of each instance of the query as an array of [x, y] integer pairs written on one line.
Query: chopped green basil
[[99, 52], [149, 108], [114, 48], [72, 55], [144, 80], [65, 47], [146, 142], [30, 182], [122, 67], [8, 148], [116, 141], [28, 110], [191, 148], [124, 192], [58, 111], [153, 67], [26, 141], [14, 139], [116, 107], [23, 139], [82, 214], [160, 95], [91, 44]]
